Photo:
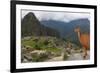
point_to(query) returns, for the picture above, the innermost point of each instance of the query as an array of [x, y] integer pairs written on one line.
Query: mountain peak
[[30, 26], [30, 15]]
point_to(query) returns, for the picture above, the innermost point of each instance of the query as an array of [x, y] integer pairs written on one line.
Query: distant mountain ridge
[[66, 30]]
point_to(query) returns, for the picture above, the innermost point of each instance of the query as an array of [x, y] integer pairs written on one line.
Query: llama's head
[[77, 29]]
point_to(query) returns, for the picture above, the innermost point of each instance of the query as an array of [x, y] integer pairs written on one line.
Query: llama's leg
[[85, 53]]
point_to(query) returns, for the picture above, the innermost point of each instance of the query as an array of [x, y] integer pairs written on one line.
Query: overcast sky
[[62, 16]]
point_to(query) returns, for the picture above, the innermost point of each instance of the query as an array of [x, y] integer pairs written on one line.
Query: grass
[[28, 43], [41, 44]]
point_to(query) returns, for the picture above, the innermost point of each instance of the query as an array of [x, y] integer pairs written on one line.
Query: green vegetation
[[65, 56], [41, 43], [39, 58]]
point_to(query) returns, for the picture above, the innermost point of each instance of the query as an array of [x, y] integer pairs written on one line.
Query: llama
[[84, 39]]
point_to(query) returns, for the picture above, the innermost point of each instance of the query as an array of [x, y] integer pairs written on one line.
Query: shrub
[[65, 56], [39, 58], [37, 47]]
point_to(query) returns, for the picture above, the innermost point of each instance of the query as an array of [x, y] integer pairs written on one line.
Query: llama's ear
[[75, 30], [77, 26]]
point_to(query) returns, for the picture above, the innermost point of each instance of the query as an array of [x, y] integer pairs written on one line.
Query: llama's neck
[[79, 35]]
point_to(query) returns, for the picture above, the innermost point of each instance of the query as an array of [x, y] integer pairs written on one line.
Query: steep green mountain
[[30, 26]]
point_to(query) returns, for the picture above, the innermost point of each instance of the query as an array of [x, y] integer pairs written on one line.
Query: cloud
[[62, 16]]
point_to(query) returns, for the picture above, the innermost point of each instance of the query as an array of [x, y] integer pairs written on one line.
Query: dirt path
[[78, 56], [59, 58], [74, 56]]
